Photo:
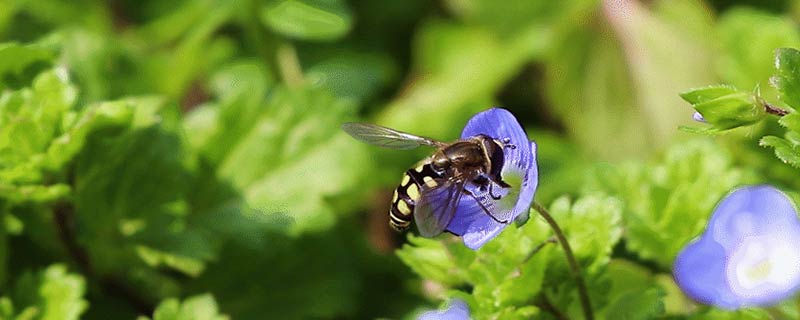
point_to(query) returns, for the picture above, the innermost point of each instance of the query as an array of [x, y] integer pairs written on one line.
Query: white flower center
[[763, 266]]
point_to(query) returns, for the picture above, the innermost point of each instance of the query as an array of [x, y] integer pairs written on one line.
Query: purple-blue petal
[[474, 225], [698, 117], [500, 124], [700, 271], [749, 254], [456, 310], [751, 211]]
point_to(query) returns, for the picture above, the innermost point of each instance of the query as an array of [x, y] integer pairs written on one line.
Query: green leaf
[[787, 78], [743, 314], [724, 107], [507, 19], [785, 150], [627, 108], [284, 151], [704, 94], [451, 87], [593, 227], [639, 305], [51, 294], [5, 216], [352, 75], [6, 308], [20, 63], [667, 203], [130, 190], [308, 19], [430, 259], [791, 121], [31, 119], [749, 38], [199, 307], [634, 293]]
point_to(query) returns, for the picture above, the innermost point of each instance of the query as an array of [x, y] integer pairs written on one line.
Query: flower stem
[[573, 264]]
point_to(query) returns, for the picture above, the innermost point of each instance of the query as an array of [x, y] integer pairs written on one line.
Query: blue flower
[[457, 310], [699, 117], [519, 170], [749, 254]]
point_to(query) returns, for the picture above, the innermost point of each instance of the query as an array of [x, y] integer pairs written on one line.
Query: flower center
[[763, 266], [760, 271]]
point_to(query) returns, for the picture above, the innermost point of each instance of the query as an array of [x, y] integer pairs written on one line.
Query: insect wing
[[480, 200], [387, 138], [437, 206], [477, 207]]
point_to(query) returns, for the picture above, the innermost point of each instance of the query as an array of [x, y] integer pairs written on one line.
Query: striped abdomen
[[406, 195]]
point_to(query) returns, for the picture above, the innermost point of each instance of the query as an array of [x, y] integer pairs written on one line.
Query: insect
[[432, 191]]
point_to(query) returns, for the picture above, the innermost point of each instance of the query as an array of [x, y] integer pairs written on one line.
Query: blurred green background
[[172, 149]]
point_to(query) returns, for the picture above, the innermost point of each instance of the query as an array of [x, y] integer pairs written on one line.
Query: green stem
[[574, 269]]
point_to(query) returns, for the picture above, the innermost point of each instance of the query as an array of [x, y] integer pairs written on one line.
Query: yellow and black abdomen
[[407, 193]]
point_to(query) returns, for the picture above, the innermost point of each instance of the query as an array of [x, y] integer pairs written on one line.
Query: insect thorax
[[476, 160]]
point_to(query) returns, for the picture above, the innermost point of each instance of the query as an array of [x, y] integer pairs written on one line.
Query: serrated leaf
[[787, 78], [308, 19], [791, 121], [31, 119], [430, 259], [593, 227], [500, 273], [130, 190], [286, 156], [671, 198], [786, 151]]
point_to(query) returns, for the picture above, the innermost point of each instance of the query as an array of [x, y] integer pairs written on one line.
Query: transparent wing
[[387, 138], [485, 200], [477, 203], [437, 206]]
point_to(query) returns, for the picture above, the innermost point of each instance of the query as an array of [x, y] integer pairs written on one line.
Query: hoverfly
[[432, 191]]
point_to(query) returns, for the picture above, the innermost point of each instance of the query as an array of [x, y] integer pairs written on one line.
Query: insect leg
[[491, 194], [507, 143], [484, 207]]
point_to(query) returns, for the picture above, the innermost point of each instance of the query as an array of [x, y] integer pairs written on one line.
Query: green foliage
[[725, 107], [21, 63], [200, 307], [749, 38], [50, 294], [668, 203], [521, 266], [308, 19], [184, 159], [591, 72], [786, 79]]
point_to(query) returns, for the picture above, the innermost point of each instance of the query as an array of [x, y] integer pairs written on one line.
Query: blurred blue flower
[[457, 310], [749, 254], [519, 171], [699, 117]]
